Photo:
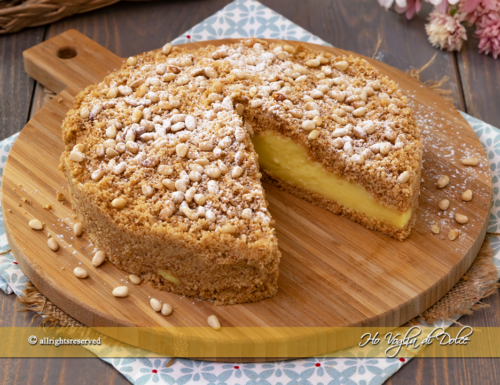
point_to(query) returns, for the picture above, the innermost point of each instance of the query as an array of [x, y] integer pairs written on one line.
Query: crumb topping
[[165, 140]]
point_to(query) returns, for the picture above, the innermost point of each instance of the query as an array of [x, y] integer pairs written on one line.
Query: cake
[[162, 159]]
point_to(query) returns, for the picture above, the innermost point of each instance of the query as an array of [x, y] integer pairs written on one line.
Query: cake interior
[[288, 161]]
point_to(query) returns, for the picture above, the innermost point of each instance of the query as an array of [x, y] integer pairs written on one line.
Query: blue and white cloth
[[241, 19]]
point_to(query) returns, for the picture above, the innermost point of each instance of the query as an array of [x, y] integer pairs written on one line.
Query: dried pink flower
[[475, 10], [488, 32], [445, 31], [412, 7]]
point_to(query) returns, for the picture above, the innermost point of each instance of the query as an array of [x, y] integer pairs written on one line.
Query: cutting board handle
[[69, 61]]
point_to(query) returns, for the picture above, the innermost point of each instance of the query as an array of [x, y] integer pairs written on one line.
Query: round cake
[[162, 159]]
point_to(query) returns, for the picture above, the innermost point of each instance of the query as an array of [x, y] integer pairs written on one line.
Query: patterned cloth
[[245, 18]]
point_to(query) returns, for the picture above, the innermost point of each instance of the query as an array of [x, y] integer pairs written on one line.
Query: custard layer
[[288, 161]]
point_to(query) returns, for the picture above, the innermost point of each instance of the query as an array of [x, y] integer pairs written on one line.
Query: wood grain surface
[[126, 28], [333, 271]]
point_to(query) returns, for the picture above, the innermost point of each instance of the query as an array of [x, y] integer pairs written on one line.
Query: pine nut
[[470, 161], [181, 149], [236, 172], [467, 196], [35, 224], [313, 63], [78, 229], [119, 203], [167, 212], [165, 170], [155, 304], [141, 91], [168, 78], [341, 65], [131, 61], [134, 279], [166, 309], [210, 72], [443, 181], [177, 197], [296, 113], [453, 234], [360, 112], [213, 322], [444, 204], [200, 199], [308, 125], [404, 177], [53, 245], [167, 48], [97, 175], [99, 258], [462, 219], [435, 229], [76, 156], [246, 214], [120, 291], [313, 135], [225, 142], [240, 108], [80, 147], [84, 113], [190, 122], [213, 172], [256, 103], [112, 93], [228, 229], [80, 272]]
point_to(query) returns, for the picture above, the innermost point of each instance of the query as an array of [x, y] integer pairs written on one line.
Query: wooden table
[[357, 25]]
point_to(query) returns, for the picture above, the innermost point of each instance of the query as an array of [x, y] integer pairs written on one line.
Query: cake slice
[[332, 131]]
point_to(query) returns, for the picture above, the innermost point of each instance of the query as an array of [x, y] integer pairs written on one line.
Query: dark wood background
[[129, 28]]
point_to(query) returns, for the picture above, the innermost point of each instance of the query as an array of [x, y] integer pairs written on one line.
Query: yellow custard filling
[[288, 161]]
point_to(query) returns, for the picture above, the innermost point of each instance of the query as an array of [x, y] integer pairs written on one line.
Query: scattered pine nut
[[470, 161], [453, 234], [80, 272], [53, 245], [99, 258], [462, 219], [467, 196], [166, 309], [119, 203], [134, 279], [78, 229], [435, 229], [443, 181], [313, 135], [35, 224], [444, 204], [404, 177], [47, 207], [120, 291], [213, 321], [228, 229], [155, 304]]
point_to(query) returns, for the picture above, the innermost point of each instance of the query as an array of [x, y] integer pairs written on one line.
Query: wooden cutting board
[[333, 271]]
